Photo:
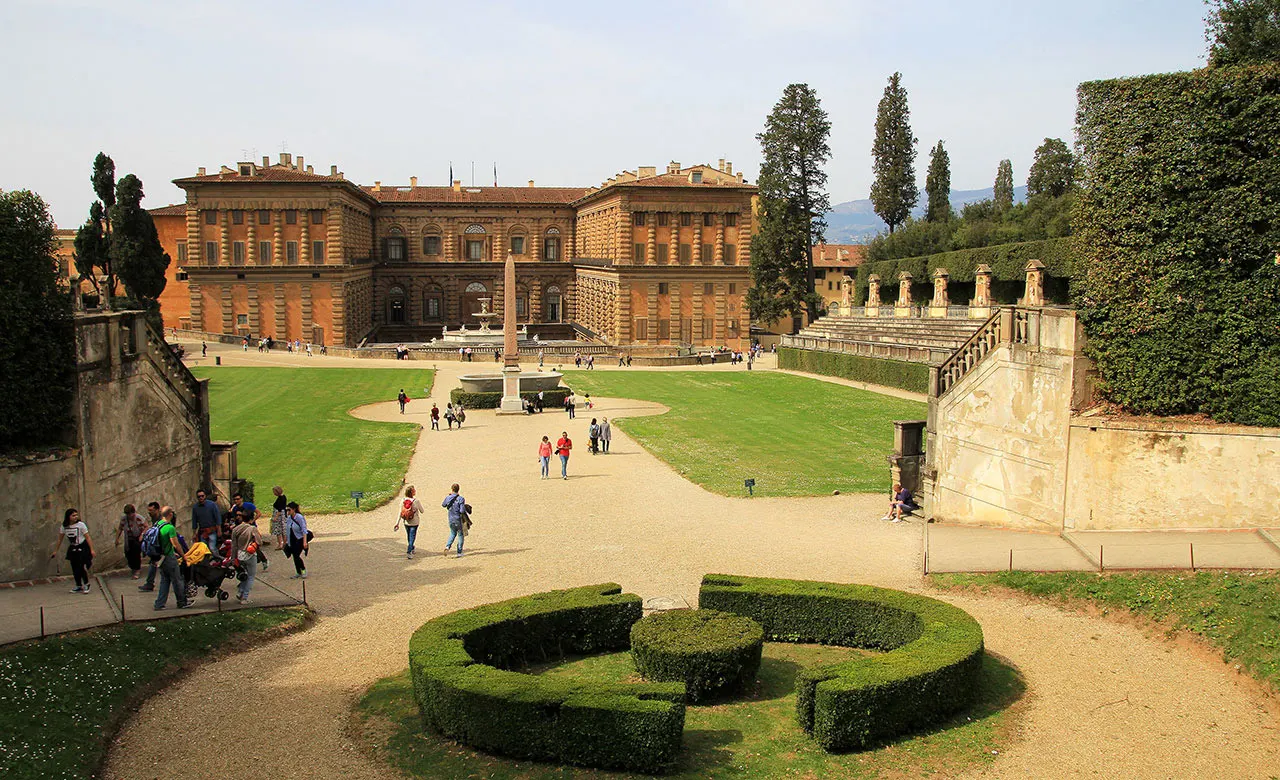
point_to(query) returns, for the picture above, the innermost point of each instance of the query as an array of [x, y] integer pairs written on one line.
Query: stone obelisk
[[511, 351]]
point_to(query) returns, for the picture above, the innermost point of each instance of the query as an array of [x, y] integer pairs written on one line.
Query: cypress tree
[[1003, 192], [894, 191], [937, 185], [136, 252], [792, 203]]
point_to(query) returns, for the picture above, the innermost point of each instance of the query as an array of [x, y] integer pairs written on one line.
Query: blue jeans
[[564, 465], [251, 573], [455, 532], [169, 572], [546, 465], [151, 573], [411, 532]]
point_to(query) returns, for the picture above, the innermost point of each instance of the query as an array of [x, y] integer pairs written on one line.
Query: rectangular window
[[431, 245], [291, 252], [686, 254], [181, 276], [663, 289], [317, 252], [211, 217], [182, 253], [475, 250], [708, 328], [291, 217], [697, 177], [242, 319], [662, 254], [264, 217], [708, 288], [708, 219], [237, 216], [395, 248], [637, 218], [733, 288], [522, 304], [551, 249], [264, 253], [517, 245], [663, 218], [708, 252], [732, 325], [642, 329], [210, 253], [730, 254], [433, 308], [664, 329], [237, 253], [730, 220], [686, 219], [637, 253], [317, 216]]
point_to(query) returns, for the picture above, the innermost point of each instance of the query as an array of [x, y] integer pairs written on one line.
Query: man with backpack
[[410, 513], [167, 544], [153, 516]]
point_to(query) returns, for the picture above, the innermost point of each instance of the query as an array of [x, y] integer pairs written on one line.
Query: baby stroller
[[209, 572]]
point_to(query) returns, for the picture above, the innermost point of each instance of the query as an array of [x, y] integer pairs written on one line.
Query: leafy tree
[[1003, 193], [136, 253], [37, 357], [1053, 171], [937, 184], [894, 191], [792, 201], [1243, 31]]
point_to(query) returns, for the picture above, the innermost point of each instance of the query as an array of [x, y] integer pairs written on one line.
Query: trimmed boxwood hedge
[[463, 680], [929, 672], [1008, 264], [877, 371], [713, 653], [551, 399]]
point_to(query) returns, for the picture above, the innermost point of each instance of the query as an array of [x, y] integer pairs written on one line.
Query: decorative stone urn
[[1034, 295], [980, 306]]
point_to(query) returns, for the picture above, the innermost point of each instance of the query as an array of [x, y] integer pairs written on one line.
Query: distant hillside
[[855, 221]]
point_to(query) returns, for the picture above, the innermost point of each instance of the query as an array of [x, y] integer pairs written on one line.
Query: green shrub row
[[1008, 264], [1179, 224], [877, 371], [713, 653], [464, 681], [928, 672], [551, 399]]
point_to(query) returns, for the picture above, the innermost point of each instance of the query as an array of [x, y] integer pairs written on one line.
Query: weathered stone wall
[[33, 497]]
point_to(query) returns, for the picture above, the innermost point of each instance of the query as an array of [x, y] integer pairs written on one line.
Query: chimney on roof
[[300, 166], [377, 186], [728, 168], [673, 167], [457, 185], [647, 171], [285, 158], [333, 170], [200, 171], [739, 177], [720, 165], [309, 169], [531, 182], [266, 161], [413, 181]]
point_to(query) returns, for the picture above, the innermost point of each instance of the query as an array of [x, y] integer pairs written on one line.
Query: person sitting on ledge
[[901, 502]]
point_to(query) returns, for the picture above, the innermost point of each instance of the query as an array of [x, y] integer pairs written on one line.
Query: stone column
[[228, 312], [673, 243], [304, 242], [938, 307], [306, 312], [224, 249], [255, 324], [697, 311], [873, 295], [698, 259], [450, 244], [333, 242], [338, 335], [197, 305], [277, 255], [500, 250], [651, 245], [980, 306], [720, 307], [719, 239], [903, 307], [282, 319], [652, 312], [251, 251], [195, 247], [674, 313], [1034, 295]]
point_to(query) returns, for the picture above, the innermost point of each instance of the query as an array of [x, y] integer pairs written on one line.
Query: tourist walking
[[449, 416], [278, 517], [410, 513], [245, 541], [204, 349], [205, 520], [606, 435], [170, 573], [544, 457], [79, 548], [435, 417], [570, 401], [132, 526], [542, 354], [459, 414], [619, 360], [153, 518], [564, 445], [459, 518], [403, 399], [591, 362], [593, 436], [299, 538]]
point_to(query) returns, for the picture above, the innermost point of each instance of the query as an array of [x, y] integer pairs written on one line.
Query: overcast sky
[[566, 93]]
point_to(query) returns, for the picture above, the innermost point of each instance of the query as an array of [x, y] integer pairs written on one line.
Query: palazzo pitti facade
[[646, 258]]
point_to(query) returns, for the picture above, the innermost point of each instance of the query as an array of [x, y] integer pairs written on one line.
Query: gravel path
[[1104, 699]]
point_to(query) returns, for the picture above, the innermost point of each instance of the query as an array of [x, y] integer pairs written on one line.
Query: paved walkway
[[1104, 699]]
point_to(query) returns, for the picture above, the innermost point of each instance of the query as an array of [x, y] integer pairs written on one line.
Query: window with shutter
[[264, 252], [237, 252], [431, 245], [291, 252], [264, 217], [211, 217], [662, 254], [637, 253], [686, 253], [317, 252], [237, 217], [291, 217], [210, 253], [708, 252]]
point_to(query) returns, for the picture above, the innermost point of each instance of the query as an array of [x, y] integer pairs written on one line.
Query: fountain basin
[[530, 381]]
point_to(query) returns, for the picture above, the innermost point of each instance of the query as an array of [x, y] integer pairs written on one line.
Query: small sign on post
[[357, 495], [750, 485]]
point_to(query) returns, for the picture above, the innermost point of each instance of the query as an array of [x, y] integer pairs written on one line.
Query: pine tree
[[937, 185], [1003, 192], [1053, 171], [792, 203], [136, 253], [894, 192]]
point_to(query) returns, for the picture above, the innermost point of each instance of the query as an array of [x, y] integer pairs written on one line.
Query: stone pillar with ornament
[[980, 306], [1034, 295], [903, 307], [938, 306], [873, 295]]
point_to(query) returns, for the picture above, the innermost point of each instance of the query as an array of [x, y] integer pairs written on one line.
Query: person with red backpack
[[410, 514]]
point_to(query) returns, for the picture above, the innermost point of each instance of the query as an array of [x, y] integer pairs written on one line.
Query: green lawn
[[1237, 612], [62, 699], [755, 735], [794, 436], [295, 431]]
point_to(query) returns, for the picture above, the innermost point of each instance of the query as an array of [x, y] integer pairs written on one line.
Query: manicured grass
[[794, 436], [755, 735], [295, 431], [62, 699], [1237, 612]]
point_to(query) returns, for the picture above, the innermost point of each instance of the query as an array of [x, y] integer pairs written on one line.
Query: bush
[[712, 653], [551, 399], [1179, 225], [929, 671], [878, 371], [464, 681]]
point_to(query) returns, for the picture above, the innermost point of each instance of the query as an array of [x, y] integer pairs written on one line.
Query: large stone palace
[[647, 257]]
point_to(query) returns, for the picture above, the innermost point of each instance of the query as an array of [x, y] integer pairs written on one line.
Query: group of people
[[231, 536], [453, 413], [579, 360], [599, 434], [459, 519]]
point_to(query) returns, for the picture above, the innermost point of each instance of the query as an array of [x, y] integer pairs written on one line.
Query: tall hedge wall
[[1179, 229], [877, 371], [1008, 264]]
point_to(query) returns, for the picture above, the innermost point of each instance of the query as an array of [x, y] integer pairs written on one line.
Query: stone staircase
[[915, 339]]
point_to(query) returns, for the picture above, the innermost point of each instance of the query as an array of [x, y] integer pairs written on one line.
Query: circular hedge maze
[[463, 667]]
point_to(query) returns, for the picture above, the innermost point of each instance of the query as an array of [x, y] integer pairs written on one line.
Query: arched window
[[471, 296], [551, 244], [477, 287], [475, 242], [517, 240], [474, 230], [396, 305], [551, 304], [431, 244]]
